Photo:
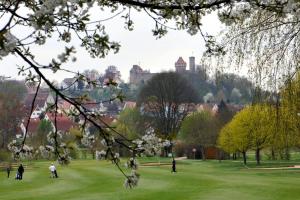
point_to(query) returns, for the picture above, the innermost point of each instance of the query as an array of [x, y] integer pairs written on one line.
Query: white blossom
[[132, 180], [100, 154]]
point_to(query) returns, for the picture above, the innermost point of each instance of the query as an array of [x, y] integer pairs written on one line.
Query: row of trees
[[273, 127], [226, 86]]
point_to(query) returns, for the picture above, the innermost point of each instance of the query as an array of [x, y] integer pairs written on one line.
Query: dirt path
[[289, 167]]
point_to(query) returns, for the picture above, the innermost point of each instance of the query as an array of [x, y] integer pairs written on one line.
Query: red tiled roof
[[40, 100], [33, 125], [180, 61], [107, 119], [91, 105], [64, 123], [62, 104]]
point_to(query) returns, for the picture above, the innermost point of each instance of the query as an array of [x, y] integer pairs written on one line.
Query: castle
[[138, 75]]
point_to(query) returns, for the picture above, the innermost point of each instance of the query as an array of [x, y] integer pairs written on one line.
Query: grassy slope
[[208, 180]]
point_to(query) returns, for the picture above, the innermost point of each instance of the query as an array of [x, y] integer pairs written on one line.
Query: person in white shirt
[[52, 168]]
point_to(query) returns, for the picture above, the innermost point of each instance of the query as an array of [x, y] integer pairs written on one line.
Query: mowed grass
[[209, 180]]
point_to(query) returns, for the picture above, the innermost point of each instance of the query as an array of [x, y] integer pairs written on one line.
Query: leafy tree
[[199, 129], [235, 95], [131, 123], [44, 127], [199, 81], [251, 128], [77, 133], [233, 87], [288, 120], [261, 119], [225, 139], [235, 137], [209, 97]]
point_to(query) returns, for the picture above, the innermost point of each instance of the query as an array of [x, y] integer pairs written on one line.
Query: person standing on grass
[[20, 172], [174, 166], [52, 168], [8, 169]]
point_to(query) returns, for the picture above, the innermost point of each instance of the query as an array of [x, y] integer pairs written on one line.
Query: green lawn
[[209, 180]]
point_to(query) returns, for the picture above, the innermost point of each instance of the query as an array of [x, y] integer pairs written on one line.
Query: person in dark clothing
[[8, 169], [20, 172], [173, 165]]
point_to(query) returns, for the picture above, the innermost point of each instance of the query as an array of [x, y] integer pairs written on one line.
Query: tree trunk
[[273, 157], [287, 153], [93, 154], [234, 156], [3, 140], [257, 155], [244, 157], [220, 155], [203, 153]]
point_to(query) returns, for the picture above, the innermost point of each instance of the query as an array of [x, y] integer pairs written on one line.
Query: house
[[91, 106], [63, 123], [64, 105], [42, 100], [104, 122], [69, 83], [209, 107], [215, 108]]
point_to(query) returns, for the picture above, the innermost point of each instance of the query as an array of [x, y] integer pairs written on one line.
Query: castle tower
[[192, 64], [180, 65], [135, 72]]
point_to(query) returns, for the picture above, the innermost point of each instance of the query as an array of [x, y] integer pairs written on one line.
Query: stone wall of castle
[[139, 77]]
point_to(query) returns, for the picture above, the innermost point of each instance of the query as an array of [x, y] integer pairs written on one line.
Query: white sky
[[137, 47]]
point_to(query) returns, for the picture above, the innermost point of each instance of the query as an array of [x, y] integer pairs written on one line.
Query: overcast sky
[[137, 47]]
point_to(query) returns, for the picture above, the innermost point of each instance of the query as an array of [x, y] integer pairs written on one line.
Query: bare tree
[[166, 99]]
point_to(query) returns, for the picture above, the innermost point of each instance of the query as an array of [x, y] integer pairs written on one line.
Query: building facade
[[138, 75]]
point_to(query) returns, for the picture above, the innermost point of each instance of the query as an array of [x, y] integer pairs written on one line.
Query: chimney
[[192, 64]]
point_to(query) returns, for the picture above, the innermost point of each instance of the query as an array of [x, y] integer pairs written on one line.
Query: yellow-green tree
[[251, 128], [77, 133], [261, 127], [289, 117], [235, 137]]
